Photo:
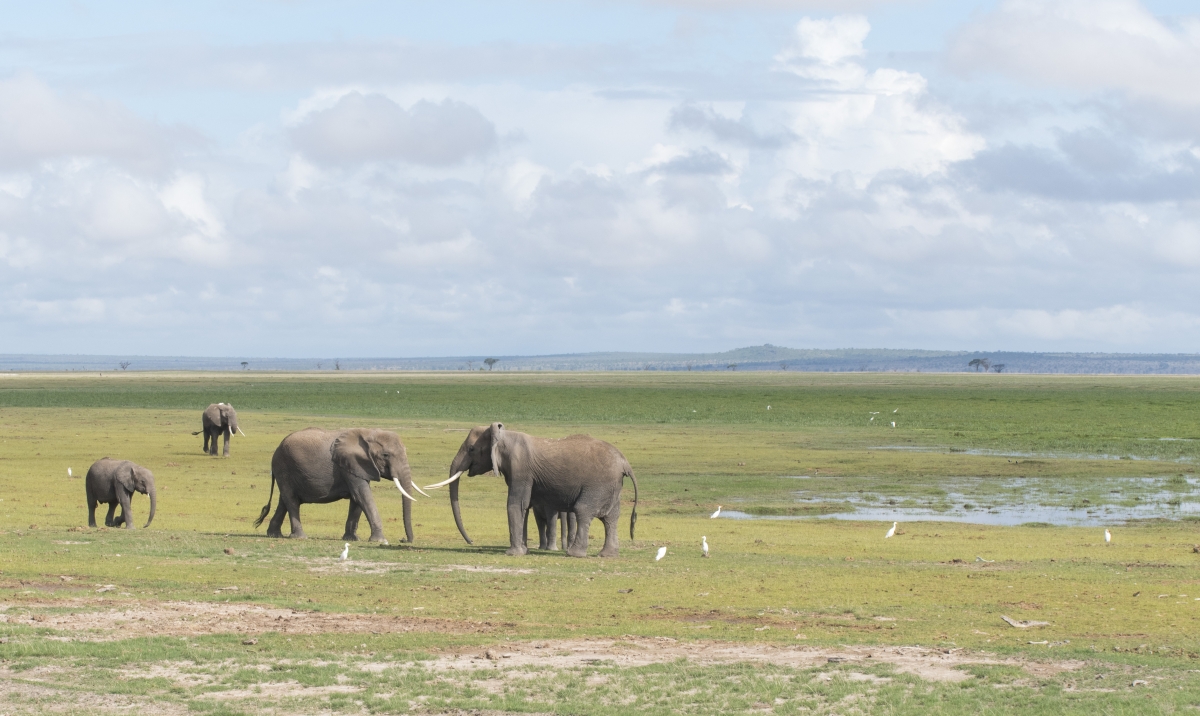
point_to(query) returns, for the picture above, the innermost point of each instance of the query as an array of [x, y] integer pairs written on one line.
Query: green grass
[[803, 582]]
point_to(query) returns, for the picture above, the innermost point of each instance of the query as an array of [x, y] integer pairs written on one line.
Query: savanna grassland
[[202, 613]]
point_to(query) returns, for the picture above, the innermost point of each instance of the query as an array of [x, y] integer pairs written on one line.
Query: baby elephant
[[114, 482]]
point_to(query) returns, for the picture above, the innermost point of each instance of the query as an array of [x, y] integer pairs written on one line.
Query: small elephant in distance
[[114, 482], [219, 419]]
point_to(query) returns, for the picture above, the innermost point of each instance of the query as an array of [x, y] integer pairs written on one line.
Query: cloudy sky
[[292, 178]]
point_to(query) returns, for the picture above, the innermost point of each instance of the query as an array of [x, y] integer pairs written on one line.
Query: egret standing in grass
[[892, 531], [662, 552], [1107, 536], [346, 552], [69, 472], [716, 514], [704, 546], [893, 423]]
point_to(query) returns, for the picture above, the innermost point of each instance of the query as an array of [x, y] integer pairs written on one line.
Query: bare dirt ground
[[90, 620], [99, 620]]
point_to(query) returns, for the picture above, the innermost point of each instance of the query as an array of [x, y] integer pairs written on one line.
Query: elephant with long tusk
[[320, 466], [218, 419], [578, 475], [114, 482]]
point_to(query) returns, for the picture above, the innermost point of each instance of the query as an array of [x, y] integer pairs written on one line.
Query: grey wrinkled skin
[[578, 475], [319, 466], [218, 419], [113, 482]]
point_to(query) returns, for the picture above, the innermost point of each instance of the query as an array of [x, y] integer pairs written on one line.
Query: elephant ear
[[127, 477], [497, 429], [351, 453]]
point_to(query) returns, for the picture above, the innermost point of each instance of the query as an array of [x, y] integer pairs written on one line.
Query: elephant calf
[[114, 482]]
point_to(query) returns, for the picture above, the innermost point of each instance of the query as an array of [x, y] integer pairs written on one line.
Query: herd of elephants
[[565, 482]]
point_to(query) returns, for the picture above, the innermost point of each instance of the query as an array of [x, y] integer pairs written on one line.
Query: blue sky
[[394, 179]]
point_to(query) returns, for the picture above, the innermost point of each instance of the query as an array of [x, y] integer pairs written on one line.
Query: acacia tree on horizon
[[491, 362]]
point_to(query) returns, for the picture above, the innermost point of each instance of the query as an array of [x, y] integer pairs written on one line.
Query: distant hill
[[764, 357]]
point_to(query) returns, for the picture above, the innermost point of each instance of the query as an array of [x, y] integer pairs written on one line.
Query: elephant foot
[[297, 535], [517, 551], [275, 533], [378, 540], [350, 537], [609, 552]]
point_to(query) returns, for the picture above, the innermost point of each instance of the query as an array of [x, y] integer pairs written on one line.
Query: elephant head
[[139, 479], [376, 455], [478, 454]]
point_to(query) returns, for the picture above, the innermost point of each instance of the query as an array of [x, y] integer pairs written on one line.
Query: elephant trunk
[[153, 493], [408, 533]]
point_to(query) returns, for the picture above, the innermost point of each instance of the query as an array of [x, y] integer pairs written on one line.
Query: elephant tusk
[[243, 434], [418, 489], [401, 489], [443, 483]]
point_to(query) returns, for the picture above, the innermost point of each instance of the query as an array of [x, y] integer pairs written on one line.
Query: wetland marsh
[[202, 613]]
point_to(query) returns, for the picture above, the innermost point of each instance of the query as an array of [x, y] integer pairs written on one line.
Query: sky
[[377, 178]]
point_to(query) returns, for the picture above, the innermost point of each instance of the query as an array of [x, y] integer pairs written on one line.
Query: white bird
[[896, 410], [716, 514], [1107, 536], [892, 531], [704, 546], [893, 423], [346, 552], [69, 472], [768, 407], [981, 559], [662, 552], [872, 419]]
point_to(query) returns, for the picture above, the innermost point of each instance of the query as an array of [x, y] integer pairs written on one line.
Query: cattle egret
[[716, 514], [704, 546], [893, 423], [896, 410], [892, 531], [346, 552], [662, 552], [872, 419], [981, 559], [69, 472], [768, 407], [1107, 536]]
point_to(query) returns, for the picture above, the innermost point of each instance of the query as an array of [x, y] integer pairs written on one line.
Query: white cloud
[[1086, 45], [371, 127], [38, 123]]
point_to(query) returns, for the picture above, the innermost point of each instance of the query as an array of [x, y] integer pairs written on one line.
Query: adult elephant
[[114, 482], [218, 419], [579, 475], [320, 466]]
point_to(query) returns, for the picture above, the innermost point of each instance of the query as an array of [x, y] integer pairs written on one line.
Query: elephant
[[114, 482], [320, 466], [219, 419], [579, 475]]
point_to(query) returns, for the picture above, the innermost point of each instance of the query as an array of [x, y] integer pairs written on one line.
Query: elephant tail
[[633, 514], [197, 432], [267, 507]]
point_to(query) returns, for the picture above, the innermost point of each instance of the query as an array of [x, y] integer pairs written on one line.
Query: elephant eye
[[387, 454]]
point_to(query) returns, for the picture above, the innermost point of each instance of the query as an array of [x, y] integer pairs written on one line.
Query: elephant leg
[[579, 542], [293, 511], [352, 522], [205, 433], [126, 513], [275, 527], [572, 526], [611, 548], [108, 519], [91, 503], [518, 506], [543, 527], [228, 433], [361, 493], [212, 445], [551, 531]]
